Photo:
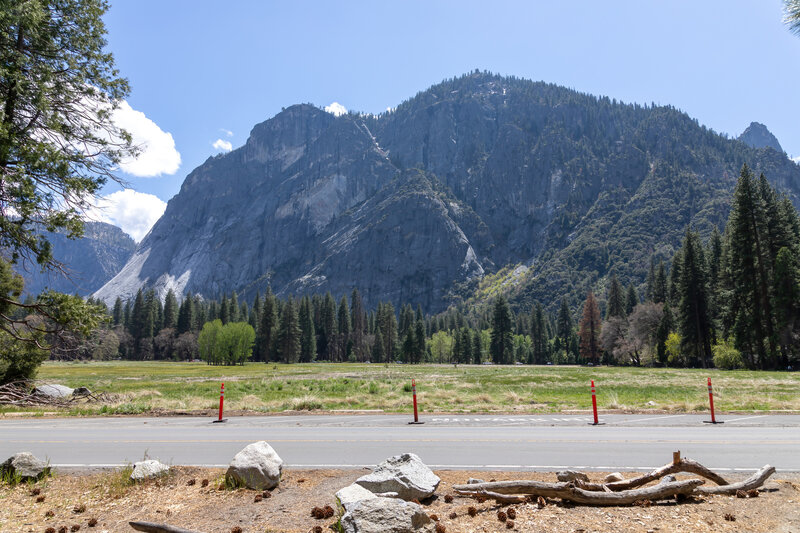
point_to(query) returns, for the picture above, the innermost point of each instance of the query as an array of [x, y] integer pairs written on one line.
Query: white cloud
[[796, 160], [221, 145], [229, 133], [134, 212], [157, 148], [336, 109]]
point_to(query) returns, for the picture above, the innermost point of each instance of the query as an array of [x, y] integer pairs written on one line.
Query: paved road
[[546, 442]]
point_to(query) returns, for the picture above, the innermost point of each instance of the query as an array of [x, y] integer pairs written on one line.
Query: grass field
[[141, 387]]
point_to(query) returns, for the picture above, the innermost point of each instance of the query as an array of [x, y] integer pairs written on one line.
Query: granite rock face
[[386, 515], [257, 466], [418, 204], [404, 474], [758, 136], [89, 261]]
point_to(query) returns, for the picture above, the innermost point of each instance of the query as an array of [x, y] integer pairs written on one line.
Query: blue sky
[[207, 72]]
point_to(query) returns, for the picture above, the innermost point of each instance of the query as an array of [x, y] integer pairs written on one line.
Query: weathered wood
[[684, 465], [499, 498], [152, 527], [569, 492], [753, 482]]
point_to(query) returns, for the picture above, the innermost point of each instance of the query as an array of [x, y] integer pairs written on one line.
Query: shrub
[[726, 356]]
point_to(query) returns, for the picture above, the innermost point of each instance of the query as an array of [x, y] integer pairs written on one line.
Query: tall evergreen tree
[[615, 299], [564, 326], [287, 340], [660, 284], [170, 310], [357, 319], [343, 318], [590, 330], [329, 330], [265, 339], [186, 315], [501, 348], [694, 317], [308, 345], [631, 299], [117, 315], [477, 347]]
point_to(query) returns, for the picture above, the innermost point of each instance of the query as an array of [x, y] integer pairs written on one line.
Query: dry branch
[[151, 527], [753, 482], [683, 465], [499, 498], [568, 491]]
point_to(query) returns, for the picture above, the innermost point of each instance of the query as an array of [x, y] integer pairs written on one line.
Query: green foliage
[[673, 348], [726, 357], [228, 344], [501, 348]]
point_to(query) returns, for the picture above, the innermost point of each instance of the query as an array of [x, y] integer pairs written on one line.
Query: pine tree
[[590, 330], [501, 348], [308, 345], [651, 280], [117, 315], [631, 300], [477, 348], [419, 341], [224, 310], [615, 306], [539, 335], [665, 327], [329, 330], [170, 310], [564, 325], [265, 338], [660, 284], [344, 344], [787, 302], [359, 326], [694, 318], [378, 354], [287, 340], [185, 315]]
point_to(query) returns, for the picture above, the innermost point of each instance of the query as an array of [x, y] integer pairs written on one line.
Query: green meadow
[[167, 387]]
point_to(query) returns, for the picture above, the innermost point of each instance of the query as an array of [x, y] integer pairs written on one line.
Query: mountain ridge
[[481, 170]]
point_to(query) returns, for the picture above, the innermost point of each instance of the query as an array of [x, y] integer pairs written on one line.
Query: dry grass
[[141, 387]]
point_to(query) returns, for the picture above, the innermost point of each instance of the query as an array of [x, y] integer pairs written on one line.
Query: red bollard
[[414, 394], [221, 401], [711, 402], [594, 408]]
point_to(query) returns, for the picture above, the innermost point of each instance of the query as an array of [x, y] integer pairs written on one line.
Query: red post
[[594, 404], [711, 401], [221, 401], [414, 393]]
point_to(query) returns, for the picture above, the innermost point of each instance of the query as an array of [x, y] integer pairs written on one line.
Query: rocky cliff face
[[417, 205], [89, 262], [758, 136]]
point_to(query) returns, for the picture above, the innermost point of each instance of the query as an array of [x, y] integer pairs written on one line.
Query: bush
[[726, 356]]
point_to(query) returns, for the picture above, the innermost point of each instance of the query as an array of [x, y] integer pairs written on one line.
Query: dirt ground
[[72, 500]]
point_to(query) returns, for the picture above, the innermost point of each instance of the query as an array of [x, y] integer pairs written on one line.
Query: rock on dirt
[[257, 467], [382, 515], [571, 475], [25, 466], [148, 470], [53, 391], [404, 474]]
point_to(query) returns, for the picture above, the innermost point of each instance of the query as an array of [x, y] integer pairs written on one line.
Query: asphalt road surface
[[502, 442]]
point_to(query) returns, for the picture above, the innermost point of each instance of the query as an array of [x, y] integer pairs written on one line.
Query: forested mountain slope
[[420, 204]]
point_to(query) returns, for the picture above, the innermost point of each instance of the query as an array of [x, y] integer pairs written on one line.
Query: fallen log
[[499, 498], [753, 482], [152, 527], [569, 492]]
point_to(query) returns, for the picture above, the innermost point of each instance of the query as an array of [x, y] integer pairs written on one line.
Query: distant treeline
[[730, 302]]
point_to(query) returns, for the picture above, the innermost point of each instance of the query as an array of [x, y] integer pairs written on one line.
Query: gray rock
[[615, 476], [53, 391], [571, 475], [667, 479], [347, 497], [25, 466], [386, 515], [404, 474], [82, 391], [257, 466], [473, 481], [148, 469]]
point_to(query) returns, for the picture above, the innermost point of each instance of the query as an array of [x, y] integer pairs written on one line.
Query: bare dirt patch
[[180, 499]]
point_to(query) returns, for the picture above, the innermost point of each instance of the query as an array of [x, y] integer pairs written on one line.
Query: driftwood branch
[[753, 482], [683, 465], [499, 498], [151, 527], [568, 491]]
